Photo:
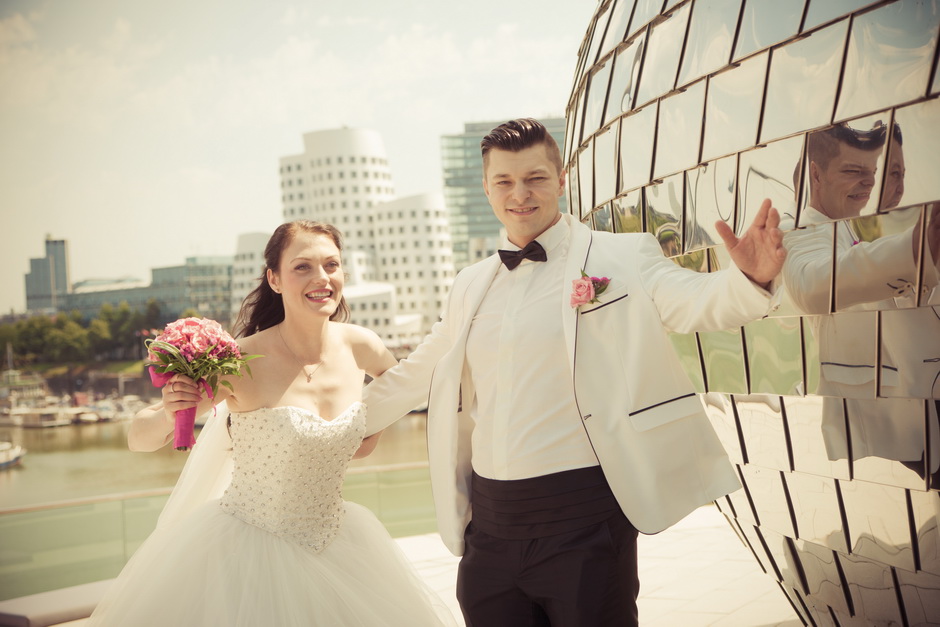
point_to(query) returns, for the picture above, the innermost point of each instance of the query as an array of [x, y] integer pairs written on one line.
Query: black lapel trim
[[602, 305], [640, 411]]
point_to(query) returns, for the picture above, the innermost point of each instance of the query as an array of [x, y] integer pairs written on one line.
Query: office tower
[[48, 281]]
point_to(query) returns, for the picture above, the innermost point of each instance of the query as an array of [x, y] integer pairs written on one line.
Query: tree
[[67, 342]]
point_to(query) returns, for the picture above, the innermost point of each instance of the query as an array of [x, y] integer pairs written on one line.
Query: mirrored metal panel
[[888, 441], [812, 433], [645, 11], [758, 545], [774, 356], [876, 261], [844, 169], [636, 147], [596, 98], [628, 213], [723, 356], [679, 132], [660, 66], [711, 35], [929, 253], [578, 116], [811, 362], [602, 219], [910, 353], [878, 523], [763, 430], [717, 406], [847, 354], [935, 86], [732, 109], [821, 570], [605, 151], [664, 213], [670, 4], [586, 178], [812, 64], [623, 80], [686, 346], [808, 269], [709, 197], [574, 187], [770, 172], [765, 487], [920, 594], [766, 22], [926, 507], [822, 11], [599, 28], [697, 261], [743, 508], [571, 139], [889, 57], [872, 589], [617, 27], [914, 154]]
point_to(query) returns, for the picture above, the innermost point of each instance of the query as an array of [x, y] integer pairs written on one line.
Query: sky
[[147, 132]]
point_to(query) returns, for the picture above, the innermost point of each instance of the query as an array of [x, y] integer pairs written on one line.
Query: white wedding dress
[[280, 547]]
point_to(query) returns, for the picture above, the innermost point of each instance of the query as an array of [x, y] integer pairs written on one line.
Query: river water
[[88, 460]]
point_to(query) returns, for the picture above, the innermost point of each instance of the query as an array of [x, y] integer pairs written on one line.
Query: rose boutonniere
[[584, 291]]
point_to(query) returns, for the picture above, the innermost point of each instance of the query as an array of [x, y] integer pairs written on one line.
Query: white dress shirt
[[526, 423]]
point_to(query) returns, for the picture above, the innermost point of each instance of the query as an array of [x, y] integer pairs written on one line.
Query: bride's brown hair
[[263, 307]]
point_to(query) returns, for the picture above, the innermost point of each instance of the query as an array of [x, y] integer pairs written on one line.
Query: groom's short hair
[[519, 134]]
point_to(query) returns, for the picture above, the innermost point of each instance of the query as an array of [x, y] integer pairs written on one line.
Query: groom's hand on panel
[[759, 252]]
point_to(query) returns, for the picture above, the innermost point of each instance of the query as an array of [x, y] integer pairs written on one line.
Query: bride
[[280, 546]]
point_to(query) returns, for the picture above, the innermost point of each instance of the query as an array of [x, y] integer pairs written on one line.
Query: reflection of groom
[[555, 433], [869, 276]]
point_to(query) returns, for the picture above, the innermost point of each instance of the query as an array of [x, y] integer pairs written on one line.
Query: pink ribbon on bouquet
[[184, 427]]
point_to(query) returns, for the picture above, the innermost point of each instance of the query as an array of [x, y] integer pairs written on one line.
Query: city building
[[47, 282], [340, 175], [201, 283], [397, 252], [414, 253], [475, 231], [247, 267]]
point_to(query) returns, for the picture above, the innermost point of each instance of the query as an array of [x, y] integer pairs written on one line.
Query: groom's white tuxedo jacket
[[647, 426]]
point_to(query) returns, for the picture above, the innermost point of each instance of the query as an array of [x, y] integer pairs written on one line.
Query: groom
[[559, 424]]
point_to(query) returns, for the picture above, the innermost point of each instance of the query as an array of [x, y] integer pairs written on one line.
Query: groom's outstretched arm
[[405, 386]]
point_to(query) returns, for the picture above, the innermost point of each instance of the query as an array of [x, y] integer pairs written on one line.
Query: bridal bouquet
[[203, 351]]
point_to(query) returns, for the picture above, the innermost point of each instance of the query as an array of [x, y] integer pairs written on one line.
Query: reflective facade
[[684, 113]]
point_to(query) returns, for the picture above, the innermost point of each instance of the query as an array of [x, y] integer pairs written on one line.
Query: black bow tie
[[512, 258]]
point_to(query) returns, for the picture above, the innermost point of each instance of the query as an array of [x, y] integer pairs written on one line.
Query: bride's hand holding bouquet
[[192, 355]]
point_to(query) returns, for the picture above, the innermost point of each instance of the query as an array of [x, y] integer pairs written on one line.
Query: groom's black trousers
[[551, 551]]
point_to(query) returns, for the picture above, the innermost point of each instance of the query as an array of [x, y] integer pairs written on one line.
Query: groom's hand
[[759, 253]]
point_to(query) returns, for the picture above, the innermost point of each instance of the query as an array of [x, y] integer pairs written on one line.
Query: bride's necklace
[[303, 366]]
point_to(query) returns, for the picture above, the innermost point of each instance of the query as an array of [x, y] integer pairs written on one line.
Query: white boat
[[10, 454]]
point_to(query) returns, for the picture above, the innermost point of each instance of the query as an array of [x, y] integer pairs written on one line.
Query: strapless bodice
[[289, 467]]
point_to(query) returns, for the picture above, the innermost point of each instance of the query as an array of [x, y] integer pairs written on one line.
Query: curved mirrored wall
[[683, 113]]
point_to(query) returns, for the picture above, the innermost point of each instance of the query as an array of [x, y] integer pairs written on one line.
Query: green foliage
[[117, 333]]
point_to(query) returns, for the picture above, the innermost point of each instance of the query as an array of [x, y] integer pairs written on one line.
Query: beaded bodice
[[289, 470]]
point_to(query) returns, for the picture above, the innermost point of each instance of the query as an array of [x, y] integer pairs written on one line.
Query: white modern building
[[340, 175], [397, 252], [415, 254], [247, 267]]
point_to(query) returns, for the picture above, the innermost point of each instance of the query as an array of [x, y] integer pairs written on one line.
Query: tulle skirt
[[213, 569]]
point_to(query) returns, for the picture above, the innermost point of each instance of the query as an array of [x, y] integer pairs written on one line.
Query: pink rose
[[582, 291], [200, 342]]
